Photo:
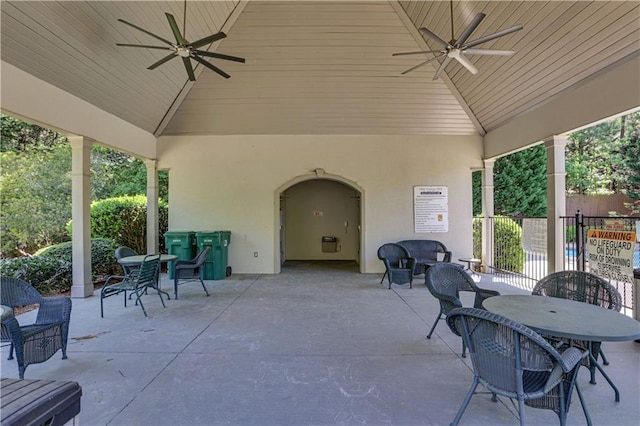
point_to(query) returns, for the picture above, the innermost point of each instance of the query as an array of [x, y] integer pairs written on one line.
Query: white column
[[487, 213], [556, 202], [80, 214], [152, 207]]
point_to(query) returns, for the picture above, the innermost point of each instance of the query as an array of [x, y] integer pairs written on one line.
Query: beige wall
[[234, 183]]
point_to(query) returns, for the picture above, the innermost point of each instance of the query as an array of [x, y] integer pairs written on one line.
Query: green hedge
[[124, 220], [50, 269], [508, 253]]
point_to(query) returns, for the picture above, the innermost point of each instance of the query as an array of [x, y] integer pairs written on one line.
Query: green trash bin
[[216, 267], [181, 244]]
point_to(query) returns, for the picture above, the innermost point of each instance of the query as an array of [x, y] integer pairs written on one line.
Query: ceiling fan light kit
[[183, 48], [456, 49]]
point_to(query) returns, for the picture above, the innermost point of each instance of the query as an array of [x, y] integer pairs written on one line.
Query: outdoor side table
[[470, 261]]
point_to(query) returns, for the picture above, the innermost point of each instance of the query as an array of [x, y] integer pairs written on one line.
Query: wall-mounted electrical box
[[329, 244]]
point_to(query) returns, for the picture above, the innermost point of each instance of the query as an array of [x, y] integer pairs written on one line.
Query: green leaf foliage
[[507, 248], [50, 269], [124, 220]]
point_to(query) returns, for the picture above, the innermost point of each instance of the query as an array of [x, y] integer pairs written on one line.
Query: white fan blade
[[466, 63], [470, 29], [489, 52], [443, 65], [492, 36], [416, 53], [421, 64], [434, 37]]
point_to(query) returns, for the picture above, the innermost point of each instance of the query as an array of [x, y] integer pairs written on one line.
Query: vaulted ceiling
[[318, 67]]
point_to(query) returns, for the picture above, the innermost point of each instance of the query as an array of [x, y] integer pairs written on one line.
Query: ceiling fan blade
[[144, 46], [421, 64], [174, 28], [443, 65], [219, 56], [189, 68], [416, 53], [207, 40], [470, 29], [434, 37], [162, 61], [489, 52], [492, 36], [211, 67], [145, 31], [466, 63]]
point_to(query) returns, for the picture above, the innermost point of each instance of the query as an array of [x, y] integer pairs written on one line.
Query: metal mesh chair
[[190, 270], [582, 287], [37, 342], [511, 360], [147, 277], [125, 251], [399, 265], [445, 281]]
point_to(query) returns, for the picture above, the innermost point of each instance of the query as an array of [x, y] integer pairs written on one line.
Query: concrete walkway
[[318, 344]]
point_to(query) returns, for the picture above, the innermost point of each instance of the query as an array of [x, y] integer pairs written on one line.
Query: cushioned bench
[[426, 253]]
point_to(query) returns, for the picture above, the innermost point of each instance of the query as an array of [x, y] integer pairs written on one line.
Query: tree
[[520, 184]]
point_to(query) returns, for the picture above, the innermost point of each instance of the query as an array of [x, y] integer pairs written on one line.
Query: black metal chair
[[445, 281], [190, 270], [583, 287], [511, 360], [399, 265], [125, 251], [147, 277], [37, 342]]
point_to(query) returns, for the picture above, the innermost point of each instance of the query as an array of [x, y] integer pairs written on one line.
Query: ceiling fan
[[183, 48], [456, 49]]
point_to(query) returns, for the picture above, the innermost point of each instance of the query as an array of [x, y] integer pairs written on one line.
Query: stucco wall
[[233, 183]]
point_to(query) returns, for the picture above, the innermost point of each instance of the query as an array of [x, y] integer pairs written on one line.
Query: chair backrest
[[424, 249], [16, 292], [125, 251], [201, 257], [149, 269], [393, 253], [504, 353], [579, 286], [448, 279]]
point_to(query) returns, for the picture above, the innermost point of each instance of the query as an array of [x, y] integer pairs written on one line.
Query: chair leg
[[604, 358], [383, 277], [175, 285], [138, 299], [521, 411], [433, 327], [10, 352], [466, 401], [584, 406], [464, 350], [200, 275]]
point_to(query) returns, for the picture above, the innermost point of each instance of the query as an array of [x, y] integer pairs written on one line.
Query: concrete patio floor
[[318, 344]]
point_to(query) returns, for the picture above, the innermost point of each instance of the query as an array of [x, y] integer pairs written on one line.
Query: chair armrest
[[411, 263], [447, 257], [571, 357], [11, 330], [54, 309], [482, 295]]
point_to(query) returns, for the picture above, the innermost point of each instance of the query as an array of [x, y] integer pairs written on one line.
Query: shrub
[[124, 221], [507, 251], [50, 269]]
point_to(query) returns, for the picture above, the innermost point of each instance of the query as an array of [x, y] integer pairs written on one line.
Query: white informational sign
[[611, 254], [430, 209], [534, 235]]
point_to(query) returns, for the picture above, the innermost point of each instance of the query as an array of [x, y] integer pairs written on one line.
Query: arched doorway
[[319, 218]]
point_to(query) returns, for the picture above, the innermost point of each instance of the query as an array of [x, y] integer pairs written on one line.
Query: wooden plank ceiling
[[317, 67]]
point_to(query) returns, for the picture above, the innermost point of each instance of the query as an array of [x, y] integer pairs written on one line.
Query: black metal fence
[[520, 253]]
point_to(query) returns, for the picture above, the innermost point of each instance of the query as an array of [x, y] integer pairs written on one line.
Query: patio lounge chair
[[147, 277], [399, 265], [445, 281], [511, 360], [190, 270], [37, 342], [582, 287]]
